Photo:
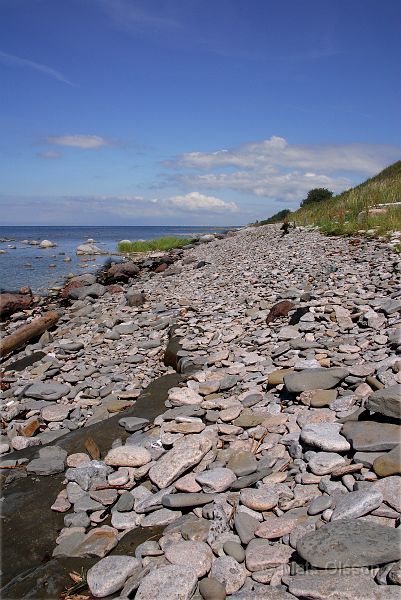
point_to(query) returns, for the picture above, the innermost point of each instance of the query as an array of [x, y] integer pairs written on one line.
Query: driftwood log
[[28, 332]]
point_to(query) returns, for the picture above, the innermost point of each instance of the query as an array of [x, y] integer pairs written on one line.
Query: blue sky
[[140, 112]]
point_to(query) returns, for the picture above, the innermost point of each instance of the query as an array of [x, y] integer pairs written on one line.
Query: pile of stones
[[275, 470]]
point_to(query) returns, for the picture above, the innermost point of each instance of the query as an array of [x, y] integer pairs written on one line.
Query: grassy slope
[[340, 214], [162, 243]]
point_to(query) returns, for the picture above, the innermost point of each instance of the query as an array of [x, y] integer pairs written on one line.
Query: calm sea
[[40, 269]]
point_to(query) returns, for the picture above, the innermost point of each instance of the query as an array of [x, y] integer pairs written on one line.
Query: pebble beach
[[272, 469]]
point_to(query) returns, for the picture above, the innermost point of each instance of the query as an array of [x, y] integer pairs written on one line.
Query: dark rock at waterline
[[122, 272], [77, 282], [14, 302]]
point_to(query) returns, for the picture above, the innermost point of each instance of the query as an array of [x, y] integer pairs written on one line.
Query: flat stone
[[261, 554], [386, 401], [51, 460], [98, 542], [247, 480], [125, 502], [350, 543], [324, 463], [55, 412], [171, 582], [389, 463], [183, 396], [110, 574], [325, 436], [179, 459], [124, 520], [371, 436], [320, 398], [183, 500], [243, 463], [195, 529], [344, 587], [47, 391], [216, 480], [247, 420], [211, 589], [390, 487], [86, 504], [128, 456], [117, 405], [264, 498], [196, 555], [164, 516], [229, 572], [313, 379], [275, 527], [277, 377], [357, 504]]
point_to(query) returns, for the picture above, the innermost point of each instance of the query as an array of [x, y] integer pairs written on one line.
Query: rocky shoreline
[[274, 469]]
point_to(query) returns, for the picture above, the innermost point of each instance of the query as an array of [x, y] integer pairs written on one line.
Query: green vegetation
[[163, 243], [317, 195], [278, 217], [356, 209]]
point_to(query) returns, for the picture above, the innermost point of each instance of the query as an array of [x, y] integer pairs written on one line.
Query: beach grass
[[167, 242], [353, 211]]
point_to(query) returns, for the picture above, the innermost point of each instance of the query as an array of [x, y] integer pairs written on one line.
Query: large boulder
[[122, 272], [83, 249], [47, 244]]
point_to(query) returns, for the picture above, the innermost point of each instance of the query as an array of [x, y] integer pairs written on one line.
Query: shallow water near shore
[[30, 265]]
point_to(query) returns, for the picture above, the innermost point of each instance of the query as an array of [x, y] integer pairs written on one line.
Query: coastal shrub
[[276, 218], [317, 195], [163, 243]]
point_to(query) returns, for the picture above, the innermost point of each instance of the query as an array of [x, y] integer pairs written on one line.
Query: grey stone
[[325, 436], [245, 526], [261, 555], [243, 463], [164, 516], [386, 401], [350, 543], [179, 459], [182, 500], [319, 504], [357, 504], [216, 480], [132, 424], [230, 573], [194, 554], [171, 582], [110, 574], [339, 586], [248, 480], [235, 550], [51, 460], [314, 379], [371, 436], [47, 391], [212, 589], [125, 502]]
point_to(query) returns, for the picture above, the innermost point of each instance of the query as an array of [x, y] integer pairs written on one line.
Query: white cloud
[[277, 152], [14, 61], [196, 202], [86, 142], [285, 187], [273, 168]]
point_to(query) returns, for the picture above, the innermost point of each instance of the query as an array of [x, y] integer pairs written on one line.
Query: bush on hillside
[[317, 195], [276, 218]]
